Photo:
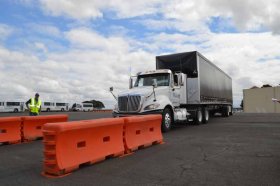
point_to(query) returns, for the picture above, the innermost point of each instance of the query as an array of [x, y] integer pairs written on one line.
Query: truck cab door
[[175, 90]]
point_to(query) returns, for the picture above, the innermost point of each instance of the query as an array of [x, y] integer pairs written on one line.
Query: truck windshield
[[147, 80]]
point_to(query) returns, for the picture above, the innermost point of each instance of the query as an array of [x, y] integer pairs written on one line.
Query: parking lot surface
[[243, 149]]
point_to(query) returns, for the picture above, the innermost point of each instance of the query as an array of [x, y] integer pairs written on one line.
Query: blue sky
[[75, 51]]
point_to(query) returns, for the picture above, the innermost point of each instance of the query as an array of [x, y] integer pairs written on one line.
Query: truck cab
[[155, 92]]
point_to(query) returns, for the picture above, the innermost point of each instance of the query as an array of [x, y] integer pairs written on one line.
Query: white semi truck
[[184, 87]]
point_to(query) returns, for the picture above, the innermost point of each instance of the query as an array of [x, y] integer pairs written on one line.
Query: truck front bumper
[[124, 114]]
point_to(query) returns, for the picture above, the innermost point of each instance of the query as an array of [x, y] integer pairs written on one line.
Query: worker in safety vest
[[34, 105]]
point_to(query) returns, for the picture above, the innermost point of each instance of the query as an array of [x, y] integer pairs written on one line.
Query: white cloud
[[245, 15], [45, 29], [41, 47], [80, 10], [92, 9], [85, 38], [5, 31], [126, 9], [184, 14], [91, 65]]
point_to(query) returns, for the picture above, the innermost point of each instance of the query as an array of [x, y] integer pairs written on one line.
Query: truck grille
[[129, 103]]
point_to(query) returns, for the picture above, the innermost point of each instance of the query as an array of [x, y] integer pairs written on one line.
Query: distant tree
[[241, 104], [266, 85], [96, 104], [254, 87]]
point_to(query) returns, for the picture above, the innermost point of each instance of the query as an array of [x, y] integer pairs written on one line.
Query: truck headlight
[[152, 106]]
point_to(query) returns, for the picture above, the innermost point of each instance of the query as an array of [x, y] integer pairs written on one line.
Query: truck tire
[[230, 113], [198, 117], [167, 120], [205, 115], [226, 112]]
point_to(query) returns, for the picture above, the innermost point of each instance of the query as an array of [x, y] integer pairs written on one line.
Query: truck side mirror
[[181, 80], [154, 83], [111, 90], [130, 83]]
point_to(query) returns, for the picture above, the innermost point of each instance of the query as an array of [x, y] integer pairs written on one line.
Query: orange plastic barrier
[[70, 144], [142, 131], [10, 130], [32, 125]]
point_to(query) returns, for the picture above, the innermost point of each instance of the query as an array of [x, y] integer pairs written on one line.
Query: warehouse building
[[259, 100]]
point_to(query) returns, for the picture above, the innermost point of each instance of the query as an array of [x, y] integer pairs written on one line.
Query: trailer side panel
[[215, 85]]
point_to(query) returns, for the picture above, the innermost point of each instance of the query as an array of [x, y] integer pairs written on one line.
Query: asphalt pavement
[[243, 149]]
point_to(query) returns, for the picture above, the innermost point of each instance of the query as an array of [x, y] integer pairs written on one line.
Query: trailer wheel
[[230, 113], [15, 110], [226, 112], [167, 120], [205, 117], [62, 109], [48, 109], [198, 117]]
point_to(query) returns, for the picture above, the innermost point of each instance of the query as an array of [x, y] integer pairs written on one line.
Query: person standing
[[34, 105]]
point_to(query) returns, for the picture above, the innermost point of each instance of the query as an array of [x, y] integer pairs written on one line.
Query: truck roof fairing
[[160, 71]]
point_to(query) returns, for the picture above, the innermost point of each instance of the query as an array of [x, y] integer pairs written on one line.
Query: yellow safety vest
[[35, 106]]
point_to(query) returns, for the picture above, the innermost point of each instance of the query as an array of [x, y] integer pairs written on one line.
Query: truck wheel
[[230, 113], [198, 117], [205, 117], [226, 112], [167, 120]]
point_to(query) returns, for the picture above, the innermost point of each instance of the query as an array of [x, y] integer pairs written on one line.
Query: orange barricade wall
[[32, 125], [10, 129], [142, 131], [68, 145]]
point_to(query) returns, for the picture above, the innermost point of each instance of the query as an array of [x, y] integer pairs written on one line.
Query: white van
[[11, 106], [62, 107], [48, 106], [87, 107]]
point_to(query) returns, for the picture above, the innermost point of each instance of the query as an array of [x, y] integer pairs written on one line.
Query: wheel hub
[[167, 120]]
